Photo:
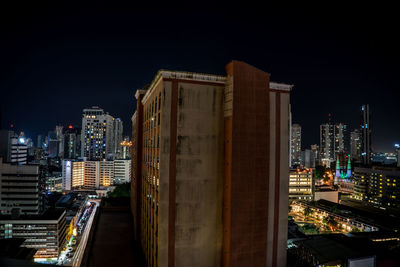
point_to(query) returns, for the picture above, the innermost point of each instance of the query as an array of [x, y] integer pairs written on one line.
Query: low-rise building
[[45, 232], [301, 184]]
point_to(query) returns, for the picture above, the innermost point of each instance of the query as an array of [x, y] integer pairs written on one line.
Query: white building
[[66, 175], [19, 188], [122, 171], [19, 150]]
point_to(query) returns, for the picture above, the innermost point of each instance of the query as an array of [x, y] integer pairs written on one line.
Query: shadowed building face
[[210, 176]]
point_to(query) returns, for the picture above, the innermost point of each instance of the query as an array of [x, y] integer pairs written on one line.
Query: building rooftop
[[50, 214]]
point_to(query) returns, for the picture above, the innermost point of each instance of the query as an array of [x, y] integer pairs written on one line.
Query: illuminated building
[[301, 184], [295, 145], [378, 185], [210, 168], [355, 145], [125, 148], [397, 146], [66, 175], [366, 152], [97, 134], [45, 233], [19, 150], [19, 189], [343, 171], [95, 174], [333, 140]]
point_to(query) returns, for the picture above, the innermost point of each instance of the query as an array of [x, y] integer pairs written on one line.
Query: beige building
[[210, 168], [301, 184]]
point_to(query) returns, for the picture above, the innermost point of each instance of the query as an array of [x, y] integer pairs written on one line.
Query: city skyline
[[102, 55]]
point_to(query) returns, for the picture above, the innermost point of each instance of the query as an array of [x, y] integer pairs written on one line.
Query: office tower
[[20, 188], [327, 143], [366, 151], [126, 148], [19, 150], [334, 139], [308, 158], [210, 168], [53, 146], [301, 184], [5, 145], [341, 138], [355, 145], [295, 145], [72, 138], [45, 232], [122, 171], [117, 137], [40, 141], [66, 175], [97, 134], [316, 154]]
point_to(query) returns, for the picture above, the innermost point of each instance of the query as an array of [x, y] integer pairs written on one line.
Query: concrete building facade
[[295, 145], [210, 168]]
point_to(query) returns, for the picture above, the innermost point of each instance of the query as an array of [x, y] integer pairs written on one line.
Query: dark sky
[[57, 60]]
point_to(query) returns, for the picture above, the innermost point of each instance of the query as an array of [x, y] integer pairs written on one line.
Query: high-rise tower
[[366, 151]]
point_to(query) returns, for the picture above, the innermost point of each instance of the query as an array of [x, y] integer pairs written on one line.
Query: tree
[[307, 211], [331, 222], [290, 208], [319, 171]]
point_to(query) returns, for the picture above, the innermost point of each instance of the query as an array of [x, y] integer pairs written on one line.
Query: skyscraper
[[366, 151], [210, 168], [355, 145], [295, 145], [117, 138], [97, 134], [334, 139], [72, 140]]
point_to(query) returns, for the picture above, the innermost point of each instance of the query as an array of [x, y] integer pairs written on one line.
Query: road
[[80, 250]]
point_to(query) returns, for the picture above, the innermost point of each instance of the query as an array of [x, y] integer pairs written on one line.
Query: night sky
[[57, 60]]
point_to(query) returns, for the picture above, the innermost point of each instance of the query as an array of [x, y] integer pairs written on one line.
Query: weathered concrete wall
[[199, 175], [164, 175]]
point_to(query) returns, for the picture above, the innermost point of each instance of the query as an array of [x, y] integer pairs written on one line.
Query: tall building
[[301, 184], [397, 147], [117, 138], [5, 145], [327, 143], [40, 141], [126, 148], [295, 145], [366, 150], [20, 189], [66, 175], [316, 154], [97, 134], [341, 138], [53, 147], [19, 150], [334, 139], [72, 140], [210, 168], [355, 145]]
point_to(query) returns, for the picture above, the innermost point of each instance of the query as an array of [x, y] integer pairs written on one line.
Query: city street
[[75, 248]]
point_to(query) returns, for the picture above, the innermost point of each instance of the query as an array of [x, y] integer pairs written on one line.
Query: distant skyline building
[[117, 137], [211, 168], [72, 143], [366, 150], [126, 148], [295, 145], [97, 134], [397, 147], [334, 139], [355, 145]]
